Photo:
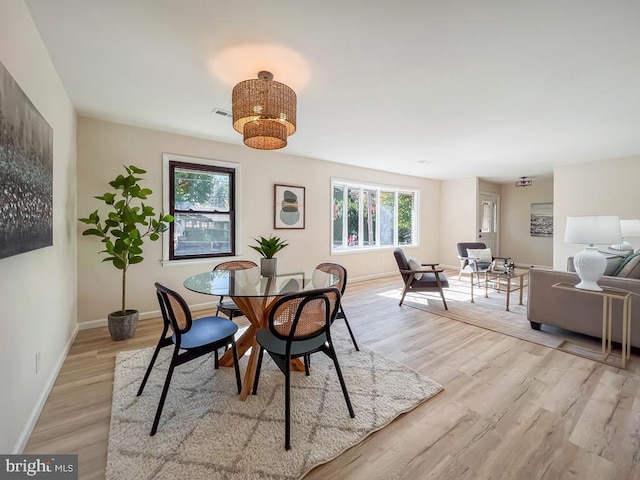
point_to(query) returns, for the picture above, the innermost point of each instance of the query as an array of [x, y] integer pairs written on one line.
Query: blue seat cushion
[[275, 345], [207, 330]]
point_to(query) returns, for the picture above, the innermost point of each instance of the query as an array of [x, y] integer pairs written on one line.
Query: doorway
[[489, 221]]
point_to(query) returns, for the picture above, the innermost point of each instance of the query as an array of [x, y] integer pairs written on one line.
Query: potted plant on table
[[268, 247], [128, 223]]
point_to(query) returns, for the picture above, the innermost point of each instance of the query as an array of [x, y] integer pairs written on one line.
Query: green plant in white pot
[[123, 231], [268, 247]]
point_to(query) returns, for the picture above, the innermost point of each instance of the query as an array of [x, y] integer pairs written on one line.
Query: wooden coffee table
[[503, 279]]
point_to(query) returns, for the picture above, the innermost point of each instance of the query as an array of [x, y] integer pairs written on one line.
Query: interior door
[[488, 221]]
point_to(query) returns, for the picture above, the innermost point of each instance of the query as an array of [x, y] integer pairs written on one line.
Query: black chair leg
[[287, 405], [342, 384], [235, 364], [353, 339], [307, 363], [215, 359], [149, 368], [165, 389], [257, 378]]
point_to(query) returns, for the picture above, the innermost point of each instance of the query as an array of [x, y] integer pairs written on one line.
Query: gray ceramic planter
[[123, 327]]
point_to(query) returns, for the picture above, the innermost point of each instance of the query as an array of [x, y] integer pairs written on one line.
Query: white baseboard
[[371, 277], [143, 316], [42, 398]]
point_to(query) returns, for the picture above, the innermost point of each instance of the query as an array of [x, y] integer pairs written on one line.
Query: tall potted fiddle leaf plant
[[123, 231]]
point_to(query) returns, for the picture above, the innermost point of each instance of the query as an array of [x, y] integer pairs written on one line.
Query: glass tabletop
[[249, 282]]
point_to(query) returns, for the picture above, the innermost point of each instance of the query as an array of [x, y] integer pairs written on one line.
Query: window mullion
[[345, 213]]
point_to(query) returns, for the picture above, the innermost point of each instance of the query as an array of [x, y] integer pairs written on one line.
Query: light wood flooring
[[511, 409]]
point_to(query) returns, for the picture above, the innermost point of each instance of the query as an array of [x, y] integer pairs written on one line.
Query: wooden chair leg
[[443, 300]]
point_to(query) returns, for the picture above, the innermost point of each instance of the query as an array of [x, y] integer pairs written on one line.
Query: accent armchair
[[424, 277]]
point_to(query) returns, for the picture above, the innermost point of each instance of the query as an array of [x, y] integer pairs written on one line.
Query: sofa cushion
[[630, 268]]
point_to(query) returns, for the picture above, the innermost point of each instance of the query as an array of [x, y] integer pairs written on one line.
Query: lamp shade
[[593, 230], [630, 228], [264, 111]]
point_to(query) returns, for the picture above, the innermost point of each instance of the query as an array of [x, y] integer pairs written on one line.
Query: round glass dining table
[[254, 295]]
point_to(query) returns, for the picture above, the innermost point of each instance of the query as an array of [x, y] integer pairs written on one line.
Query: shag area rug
[[206, 432]]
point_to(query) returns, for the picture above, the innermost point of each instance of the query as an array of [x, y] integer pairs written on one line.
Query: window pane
[[406, 206], [199, 234], [369, 217], [201, 191], [352, 216], [338, 216], [375, 216], [386, 217]]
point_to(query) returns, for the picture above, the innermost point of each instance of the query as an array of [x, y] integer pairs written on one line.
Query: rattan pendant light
[[264, 111]]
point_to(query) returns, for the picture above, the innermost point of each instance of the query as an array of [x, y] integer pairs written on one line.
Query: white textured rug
[[206, 432]]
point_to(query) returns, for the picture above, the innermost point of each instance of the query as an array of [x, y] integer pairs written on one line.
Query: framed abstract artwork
[[288, 207], [26, 163]]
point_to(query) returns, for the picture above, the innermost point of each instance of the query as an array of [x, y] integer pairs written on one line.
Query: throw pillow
[[483, 255], [630, 268], [613, 265], [414, 264]]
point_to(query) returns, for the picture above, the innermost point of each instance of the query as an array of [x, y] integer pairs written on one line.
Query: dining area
[[289, 311]]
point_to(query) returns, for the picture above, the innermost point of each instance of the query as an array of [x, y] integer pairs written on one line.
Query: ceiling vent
[[221, 112]]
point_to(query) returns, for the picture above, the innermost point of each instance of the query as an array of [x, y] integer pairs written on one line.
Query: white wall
[[37, 288], [458, 223], [605, 187], [515, 238], [103, 148]]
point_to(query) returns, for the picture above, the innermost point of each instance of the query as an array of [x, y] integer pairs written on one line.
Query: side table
[[608, 296]]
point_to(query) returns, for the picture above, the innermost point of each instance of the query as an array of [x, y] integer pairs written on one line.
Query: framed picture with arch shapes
[[288, 207]]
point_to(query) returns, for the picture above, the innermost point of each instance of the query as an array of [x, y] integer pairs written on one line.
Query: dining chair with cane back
[[299, 325], [229, 307], [341, 273], [191, 339]]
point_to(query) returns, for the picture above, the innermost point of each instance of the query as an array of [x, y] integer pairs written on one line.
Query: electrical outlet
[[37, 362]]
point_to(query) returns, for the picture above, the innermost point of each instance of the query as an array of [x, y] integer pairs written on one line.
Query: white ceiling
[[494, 88]]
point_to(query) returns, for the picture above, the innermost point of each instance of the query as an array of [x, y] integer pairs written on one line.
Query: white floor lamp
[[592, 230]]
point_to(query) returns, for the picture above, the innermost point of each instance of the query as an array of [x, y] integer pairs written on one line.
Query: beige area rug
[[488, 313], [206, 432]]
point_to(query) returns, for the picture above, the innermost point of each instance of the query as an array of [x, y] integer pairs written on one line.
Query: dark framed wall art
[[26, 166], [542, 219], [288, 207]]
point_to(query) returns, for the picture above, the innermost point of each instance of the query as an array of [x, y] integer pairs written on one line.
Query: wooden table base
[[256, 310]]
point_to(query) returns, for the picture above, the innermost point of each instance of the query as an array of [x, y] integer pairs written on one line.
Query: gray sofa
[[580, 312]]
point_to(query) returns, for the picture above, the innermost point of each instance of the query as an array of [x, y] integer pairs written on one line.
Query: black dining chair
[[194, 337], [299, 325], [341, 273]]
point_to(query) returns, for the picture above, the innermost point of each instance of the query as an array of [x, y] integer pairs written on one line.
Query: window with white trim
[[372, 216], [201, 197]]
